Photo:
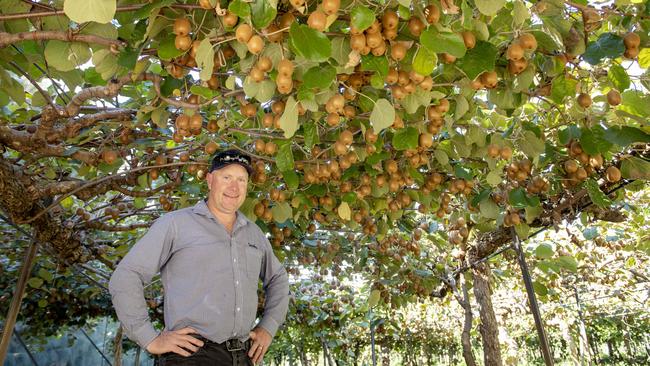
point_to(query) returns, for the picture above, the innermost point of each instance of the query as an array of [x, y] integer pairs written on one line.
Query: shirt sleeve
[[136, 270], [276, 288]]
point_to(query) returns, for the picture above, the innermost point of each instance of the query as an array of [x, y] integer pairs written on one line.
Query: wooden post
[[14, 307], [585, 349], [532, 301], [117, 343], [372, 343]]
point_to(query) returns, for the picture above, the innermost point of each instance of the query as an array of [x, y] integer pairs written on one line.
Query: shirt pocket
[[253, 261]]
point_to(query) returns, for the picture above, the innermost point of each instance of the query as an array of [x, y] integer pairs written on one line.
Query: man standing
[[210, 258]]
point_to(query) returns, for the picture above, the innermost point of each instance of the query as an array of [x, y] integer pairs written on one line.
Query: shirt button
[[237, 309], [235, 260], [236, 282]]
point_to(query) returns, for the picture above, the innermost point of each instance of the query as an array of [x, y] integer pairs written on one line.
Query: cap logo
[[239, 159]]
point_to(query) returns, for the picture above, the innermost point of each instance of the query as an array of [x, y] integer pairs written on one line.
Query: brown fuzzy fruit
[[613, 97], [432, 14], [330, 6], [285, 67], [528, 41], [489, 79], [515, 51], [415, 26], [183, 42], [230, 19], [612, 174], [255, 44], [632, 40], [398, 51], [182, 26], [584, 100], [317, 20], [243, 33], [390, 20], [570, 166], [469, 39]]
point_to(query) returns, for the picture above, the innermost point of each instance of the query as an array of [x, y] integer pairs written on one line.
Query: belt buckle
[[233, 345]]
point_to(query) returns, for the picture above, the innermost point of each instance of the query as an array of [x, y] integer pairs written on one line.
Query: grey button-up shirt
[[210, 277]]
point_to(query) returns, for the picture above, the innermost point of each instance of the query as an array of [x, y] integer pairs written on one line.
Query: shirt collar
[[201, 208]]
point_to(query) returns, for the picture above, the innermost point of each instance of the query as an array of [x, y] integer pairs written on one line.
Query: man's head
[[228, 181]]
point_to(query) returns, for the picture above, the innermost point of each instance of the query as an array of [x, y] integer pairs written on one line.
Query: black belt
[[232, 345]]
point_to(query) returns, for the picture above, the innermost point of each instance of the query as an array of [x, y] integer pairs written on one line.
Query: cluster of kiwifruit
[[458, 231], [272, 119], [404, 83], [279, 235], [445, 209], [461, 186], [284, 80], [519, 171], [582, 165], [397, 178], [516, 52], [401, 201], [436, 113], [503, 152], [632, 41], [254, 42], [187, 126], [263, 211], [268, 148], [371, 138], [166, 203], [259, 175], [487, 80], [258, 72], [109, 156], [420, 156], [335, 107], [432, 182]]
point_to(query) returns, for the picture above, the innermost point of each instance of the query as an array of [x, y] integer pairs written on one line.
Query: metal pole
[[532, 300], [95, 346], [29, 353], [14, 307], [372, 343], [583, 328]]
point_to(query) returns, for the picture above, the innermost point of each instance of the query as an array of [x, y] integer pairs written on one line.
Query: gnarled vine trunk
[[489, 328]]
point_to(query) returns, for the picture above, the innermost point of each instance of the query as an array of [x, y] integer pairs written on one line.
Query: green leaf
[[625, 135], [462, 173], [493, 178], [319, 77], [284, 158], [309, 43], [406, 138], [593, 140], [382, 116], [572, 132], [281, 212], [310, 130], [45, 274], [375, 63], [263, 13], [439, 42], [597, 196], [489, 7], [205, 59], [289, 119], [291, 179], [644, 55], [66, 56], [567, 262], [540, 288], [563, 87], [361, 17], [35, 282], [424, 61], [619, 77], [518, 198], [544, 251], [531, 145], [240, 8], [522, 230], [147, 10], [374, 298], [520, 13], [635, 102], [489, 209], [81, 11], [635, 168], [608, 45], [479, 59], [344, 211]]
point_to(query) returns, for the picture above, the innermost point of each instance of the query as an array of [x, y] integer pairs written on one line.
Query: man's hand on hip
[[260, 342], [177, 341]]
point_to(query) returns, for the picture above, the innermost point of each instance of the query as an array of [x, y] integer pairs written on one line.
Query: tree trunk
[[489, 328], [385, 359], [465, 338]]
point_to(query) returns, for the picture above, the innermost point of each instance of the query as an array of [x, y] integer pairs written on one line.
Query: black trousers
[[211, 354]]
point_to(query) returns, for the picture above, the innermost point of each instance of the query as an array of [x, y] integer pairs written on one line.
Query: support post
[[14, 307], [372, 343], [532, 300], [585, 349]]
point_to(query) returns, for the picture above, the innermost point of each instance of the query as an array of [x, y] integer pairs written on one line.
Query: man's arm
[[134, 271], [276, 288]]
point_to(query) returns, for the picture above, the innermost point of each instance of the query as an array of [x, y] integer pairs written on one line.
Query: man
[[211, 258]]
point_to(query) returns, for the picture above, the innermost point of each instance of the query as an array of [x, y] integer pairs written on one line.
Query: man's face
[[228, 188]]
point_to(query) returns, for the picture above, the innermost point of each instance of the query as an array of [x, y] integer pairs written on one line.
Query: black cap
[[227, 157]]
